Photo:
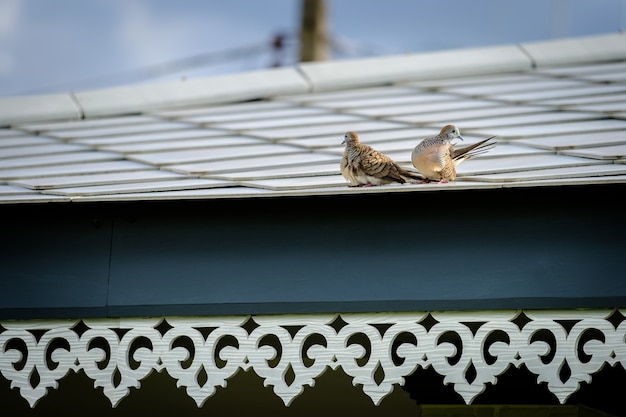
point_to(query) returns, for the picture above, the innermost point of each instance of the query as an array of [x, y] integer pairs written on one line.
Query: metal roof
[[558, 109]]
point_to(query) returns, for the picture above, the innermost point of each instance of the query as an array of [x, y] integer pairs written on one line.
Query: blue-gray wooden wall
[[494, 249]]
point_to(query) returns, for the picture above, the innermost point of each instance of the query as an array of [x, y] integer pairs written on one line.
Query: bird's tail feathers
[[461, 154]]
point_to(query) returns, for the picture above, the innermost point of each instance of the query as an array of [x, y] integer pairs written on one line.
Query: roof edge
[[21, 109], [599, 48], [209, 90]]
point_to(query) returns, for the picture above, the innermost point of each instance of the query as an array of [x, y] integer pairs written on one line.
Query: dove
[[362, 165], [435, 156]]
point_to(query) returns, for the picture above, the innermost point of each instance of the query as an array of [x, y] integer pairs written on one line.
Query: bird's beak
[[461, 137], [343, 142]]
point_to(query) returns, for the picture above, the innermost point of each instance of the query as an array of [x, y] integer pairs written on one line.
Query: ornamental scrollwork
[[289, 352]]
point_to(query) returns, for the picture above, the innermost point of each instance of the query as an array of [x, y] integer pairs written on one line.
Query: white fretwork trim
[[469, 349]]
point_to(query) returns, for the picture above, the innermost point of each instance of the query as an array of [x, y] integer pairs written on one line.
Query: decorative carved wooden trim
[[469, 349]]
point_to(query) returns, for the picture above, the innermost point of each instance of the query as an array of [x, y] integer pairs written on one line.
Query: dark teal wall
[[493, 249]]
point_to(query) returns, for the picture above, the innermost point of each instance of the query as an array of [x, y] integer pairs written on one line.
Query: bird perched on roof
[[435, 156], [362, 165]]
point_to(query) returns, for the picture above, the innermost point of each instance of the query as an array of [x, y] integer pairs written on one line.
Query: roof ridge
[[313, 76]]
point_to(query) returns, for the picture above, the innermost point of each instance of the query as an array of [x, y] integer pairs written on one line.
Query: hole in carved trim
[[311, 340], [470, 373], [428, 322], [379, 374], [616, 318], [338, 323], [585, 336], [454, 339], [38, 333], [565, 372], [34, 378], [521, 320], [120, 332], [79, 328], [361, 339], [138, 342], [273, 341], [101, 343], [116, 378], [205, 331], [474, 326], [201, 376], [548, 337], [221, 343], [249, 325], [186, 343], [493, 337], [163, 327], [382, 328], [289, 375], [401, 339], [54, 344], [292, 330], [19, 345], [567, 324]]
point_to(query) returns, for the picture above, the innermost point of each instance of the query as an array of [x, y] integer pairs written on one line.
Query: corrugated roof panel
[[286, 112], [338, 128], [350, 94], [139, 187], [212, 154], [489, 89], [593, 99], [522, 163], [298, 183], [333, 141], [611, 107], [514, 132], [216, 192], [583, 70], [382, 100], [550, 122], [277, 121], [576, 140], [551, 174], [103, 122], [65, 181], [413, 110], [470, 80], [150, 137], [461, 115], [39, 149], [528, 119], [177, 144], [291, 171], [600, 152], [251, 163], [117, 130], [226, 110], [11, 190], [538, 95], [80, 168], [58, 159]]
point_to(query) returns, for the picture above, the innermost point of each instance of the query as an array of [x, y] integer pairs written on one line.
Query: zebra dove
[[363, 165], [435, 156]]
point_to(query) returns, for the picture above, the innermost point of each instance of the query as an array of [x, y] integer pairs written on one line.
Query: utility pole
[[313, 38]]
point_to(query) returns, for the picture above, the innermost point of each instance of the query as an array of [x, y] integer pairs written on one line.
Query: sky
[[52, 46]]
